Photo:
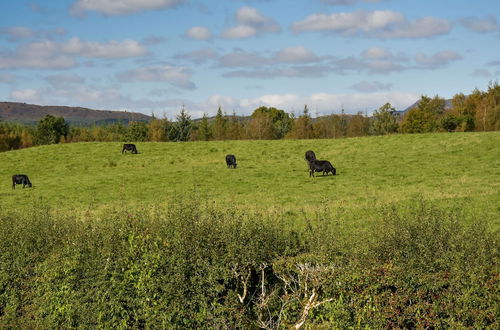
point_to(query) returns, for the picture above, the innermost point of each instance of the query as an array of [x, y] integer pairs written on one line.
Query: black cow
[[129, 147], [310, 155], [321, 166], [230, 161], [21, 179]]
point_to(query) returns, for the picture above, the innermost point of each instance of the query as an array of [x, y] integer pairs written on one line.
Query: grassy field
[[405, 236], [371, 171]]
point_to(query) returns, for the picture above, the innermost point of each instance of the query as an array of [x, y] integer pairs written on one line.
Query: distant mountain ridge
[[32, 113]]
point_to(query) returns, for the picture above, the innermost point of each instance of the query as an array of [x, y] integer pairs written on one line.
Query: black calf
[[129, 147], [21, 179], [230, 161]]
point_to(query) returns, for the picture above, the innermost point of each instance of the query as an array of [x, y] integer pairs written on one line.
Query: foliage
[[220, 125], [204, 131], [302, 127], [194, 264], [181, 128], [384, 120], [50, 129], [424, 117]]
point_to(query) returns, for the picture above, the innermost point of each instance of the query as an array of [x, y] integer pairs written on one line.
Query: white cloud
[[177, 76], [18, 33], [482, 73], [198, 56], [295, 55], [26, 95], [437, 60], [199, 33], [250, 23], [121, 7], [47, 54], [476, 24], [377, 53], [110, 49], [384, 24], [242, 58]]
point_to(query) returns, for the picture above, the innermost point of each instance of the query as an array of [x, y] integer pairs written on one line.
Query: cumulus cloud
[[249, 23], [110, 49], [384, 24], [198, 56], [121, 7], [240, 58], [297, 54], [18, 33], [47, 54], [199, 33], [26, 95], [298, 62], [177, 76], [477, 24], [437, 60]]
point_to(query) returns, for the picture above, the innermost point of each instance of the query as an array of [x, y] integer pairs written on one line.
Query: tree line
[[479, 111]]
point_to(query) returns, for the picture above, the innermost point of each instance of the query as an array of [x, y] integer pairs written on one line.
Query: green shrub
[[195, 264]]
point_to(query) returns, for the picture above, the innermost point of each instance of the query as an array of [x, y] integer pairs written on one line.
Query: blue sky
[[155, 56]]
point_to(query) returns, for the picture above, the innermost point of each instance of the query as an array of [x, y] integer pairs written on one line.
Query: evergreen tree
[[204, 132], [220, 125], [181, 129], [384, 120]]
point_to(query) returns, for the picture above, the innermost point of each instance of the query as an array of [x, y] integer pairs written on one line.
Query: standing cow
[[21, 179], [321, 166], [310, 155], [230, 161], [129, 147]]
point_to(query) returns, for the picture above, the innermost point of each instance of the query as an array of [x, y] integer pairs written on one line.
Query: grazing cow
[[310, 155], [129, 147], [321, 166], [230, 161], [21, 179]]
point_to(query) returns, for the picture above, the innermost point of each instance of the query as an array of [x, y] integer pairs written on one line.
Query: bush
[[194, 264]]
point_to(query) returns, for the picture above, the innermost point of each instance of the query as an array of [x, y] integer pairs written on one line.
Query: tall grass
[[198, 264]]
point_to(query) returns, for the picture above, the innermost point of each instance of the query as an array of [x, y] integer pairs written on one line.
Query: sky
[[158, 56]]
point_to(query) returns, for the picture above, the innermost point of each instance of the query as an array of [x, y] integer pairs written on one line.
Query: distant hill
[[32, 113], [447, 105]]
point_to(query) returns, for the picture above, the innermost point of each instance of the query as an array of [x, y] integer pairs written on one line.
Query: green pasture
[[371, 171]]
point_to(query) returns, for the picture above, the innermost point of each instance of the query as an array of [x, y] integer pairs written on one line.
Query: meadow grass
[[271, 174]]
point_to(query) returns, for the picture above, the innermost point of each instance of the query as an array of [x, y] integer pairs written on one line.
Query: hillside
[[272, 173], [31, 113]]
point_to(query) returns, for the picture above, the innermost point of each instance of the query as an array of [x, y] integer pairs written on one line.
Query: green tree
[[220, 125], [50, 129], [181, 128], [302, 127], [384, 120], [425, 116], [204, 131], [281, 121], [137, 131], [157, 130]]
